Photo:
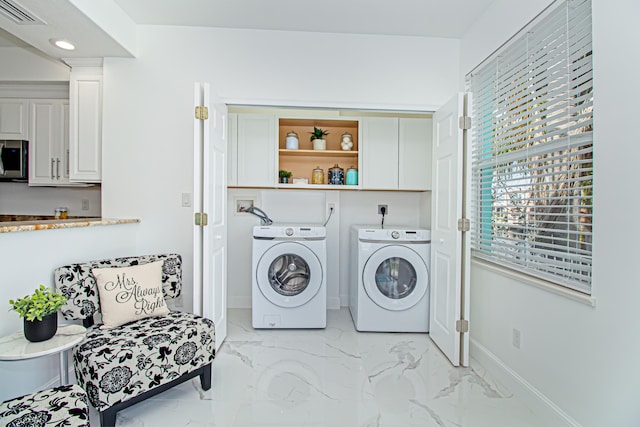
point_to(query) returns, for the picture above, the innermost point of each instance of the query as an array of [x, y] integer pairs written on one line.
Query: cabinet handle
[[58, 168], [68, 162], [52, 162]]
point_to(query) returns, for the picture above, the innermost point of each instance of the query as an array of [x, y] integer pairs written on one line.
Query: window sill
[[538, 283]]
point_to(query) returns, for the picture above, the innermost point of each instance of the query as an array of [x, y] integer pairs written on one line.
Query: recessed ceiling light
[[62, 44]]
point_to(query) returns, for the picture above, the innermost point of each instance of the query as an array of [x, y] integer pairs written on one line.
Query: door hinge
[[462, 326], [201, 219], [202, 113], [464, 225], [464, 122]]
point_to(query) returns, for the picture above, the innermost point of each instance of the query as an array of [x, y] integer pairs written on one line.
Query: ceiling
[[68, 19]]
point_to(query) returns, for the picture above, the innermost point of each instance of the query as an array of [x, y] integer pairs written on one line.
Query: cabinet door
[[232, 149], [45, 157], [85, 129], [14, 119], [256, 150], [379, 148], [414, 154]]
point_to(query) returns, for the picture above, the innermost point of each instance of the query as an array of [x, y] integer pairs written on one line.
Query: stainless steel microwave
[[14, 160]]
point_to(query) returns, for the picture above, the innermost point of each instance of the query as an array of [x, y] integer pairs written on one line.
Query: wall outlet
[[85, 204], [516, 338], [386, 209], [186, 200]]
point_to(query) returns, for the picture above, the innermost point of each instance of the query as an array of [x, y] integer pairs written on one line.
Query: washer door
[[395, 277], [289, 274]]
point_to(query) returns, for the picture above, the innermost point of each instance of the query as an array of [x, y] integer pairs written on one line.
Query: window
[[532, 150]]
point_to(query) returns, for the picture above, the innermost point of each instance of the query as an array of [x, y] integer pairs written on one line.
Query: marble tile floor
[[334, 377]]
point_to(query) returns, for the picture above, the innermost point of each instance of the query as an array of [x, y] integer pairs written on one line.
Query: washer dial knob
[[395, 234], [289, 231]]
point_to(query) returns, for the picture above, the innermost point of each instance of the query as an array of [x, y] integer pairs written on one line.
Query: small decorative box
[[300, 181]]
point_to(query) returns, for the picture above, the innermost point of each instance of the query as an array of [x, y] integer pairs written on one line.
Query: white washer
[[289, 267], [389, 289]]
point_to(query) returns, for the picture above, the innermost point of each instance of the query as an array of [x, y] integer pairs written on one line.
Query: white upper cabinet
[[14, 119], [232, 149], [396, 153], [379, 153], [256, 150], [85, 124], [414, 154], [49, 143]]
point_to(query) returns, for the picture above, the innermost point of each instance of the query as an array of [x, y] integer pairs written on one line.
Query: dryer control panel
[[394, 234]]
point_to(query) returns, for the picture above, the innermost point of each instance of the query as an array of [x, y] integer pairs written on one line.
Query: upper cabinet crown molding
[[35, 90], [84, 62]]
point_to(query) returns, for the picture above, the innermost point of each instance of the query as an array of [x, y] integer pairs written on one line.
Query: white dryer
[[289, 285], [389, 289]]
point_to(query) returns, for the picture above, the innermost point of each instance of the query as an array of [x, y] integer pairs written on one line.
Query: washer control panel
[[289, 231]]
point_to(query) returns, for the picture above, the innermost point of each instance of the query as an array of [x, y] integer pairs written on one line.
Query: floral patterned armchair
[[60, 406], [122, 366]]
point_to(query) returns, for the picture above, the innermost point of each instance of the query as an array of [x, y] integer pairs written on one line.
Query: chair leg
[[205, 377], [108, 417]]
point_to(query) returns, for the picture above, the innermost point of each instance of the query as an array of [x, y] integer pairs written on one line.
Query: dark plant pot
[[41, 330], [284, 180]]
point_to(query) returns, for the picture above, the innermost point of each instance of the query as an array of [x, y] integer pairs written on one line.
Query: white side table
[[16, 347]]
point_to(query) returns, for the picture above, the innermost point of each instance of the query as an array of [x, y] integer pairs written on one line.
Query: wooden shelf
[[319, 153], [318, 186], [303, 161]]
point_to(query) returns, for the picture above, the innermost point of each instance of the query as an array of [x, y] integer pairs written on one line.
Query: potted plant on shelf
[[284, 176], [317, 137], [40, 313]]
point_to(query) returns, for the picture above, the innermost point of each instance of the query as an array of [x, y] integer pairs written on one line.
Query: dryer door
[[289, 274], [395, 277]]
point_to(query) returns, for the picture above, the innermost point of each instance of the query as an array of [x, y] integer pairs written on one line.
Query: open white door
[[213, 260], [449, 311]]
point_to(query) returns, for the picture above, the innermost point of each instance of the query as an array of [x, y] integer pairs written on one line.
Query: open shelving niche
[[305, 159]]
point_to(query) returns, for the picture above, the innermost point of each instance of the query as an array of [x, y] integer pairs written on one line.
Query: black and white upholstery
[[124, 365], [60, 406]]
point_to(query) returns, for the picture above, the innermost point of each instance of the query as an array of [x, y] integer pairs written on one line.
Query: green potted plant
[[40, 313], [317, 137], [284, 176]]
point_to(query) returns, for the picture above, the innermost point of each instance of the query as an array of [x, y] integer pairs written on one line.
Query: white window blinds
[[532, 150]]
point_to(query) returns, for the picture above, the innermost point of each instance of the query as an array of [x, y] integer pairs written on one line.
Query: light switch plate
[[186, 200]]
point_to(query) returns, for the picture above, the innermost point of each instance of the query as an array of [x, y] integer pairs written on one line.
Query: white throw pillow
[[130, 293]]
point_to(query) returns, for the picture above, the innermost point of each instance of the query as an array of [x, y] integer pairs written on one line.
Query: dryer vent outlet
[[386, 210]]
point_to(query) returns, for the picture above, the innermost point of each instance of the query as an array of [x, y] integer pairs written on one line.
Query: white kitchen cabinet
[[414, 154], [49, 143], [256, 150], [14, 119], [85, 123], [396, 153]]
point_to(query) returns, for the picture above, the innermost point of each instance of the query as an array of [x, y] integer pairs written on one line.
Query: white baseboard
[[537, 402], [333, 303]]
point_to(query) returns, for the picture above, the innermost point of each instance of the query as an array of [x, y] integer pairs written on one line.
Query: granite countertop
[[16, 223]]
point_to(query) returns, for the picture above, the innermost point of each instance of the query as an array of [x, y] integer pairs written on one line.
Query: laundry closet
[[390, 151]]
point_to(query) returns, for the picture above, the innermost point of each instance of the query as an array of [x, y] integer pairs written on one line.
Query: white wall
[[148, 104], [312, 206], [577, 363], [19, 198], [28, 260]]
